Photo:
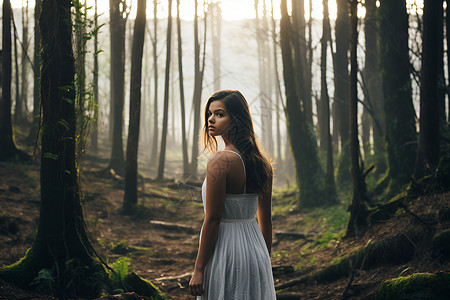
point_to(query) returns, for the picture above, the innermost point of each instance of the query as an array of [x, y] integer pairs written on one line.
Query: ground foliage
[[156, 245]]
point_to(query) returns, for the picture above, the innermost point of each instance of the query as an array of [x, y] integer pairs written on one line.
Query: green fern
[[45, 282]]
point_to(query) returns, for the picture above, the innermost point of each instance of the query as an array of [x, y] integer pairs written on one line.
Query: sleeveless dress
[[239, 267]]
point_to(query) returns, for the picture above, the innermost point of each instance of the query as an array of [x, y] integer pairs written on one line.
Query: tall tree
[[155, 82], [162, 153], [401, 136], [131, 166], [309, 174], [447, 38], [428, 152], [374, 85], [324, 108], [8, 149], [199, 67], [358, 211], [118, 20], [94, 134], [32, 136], [341, 92], [61, 242], [182, 102], [24, 61]]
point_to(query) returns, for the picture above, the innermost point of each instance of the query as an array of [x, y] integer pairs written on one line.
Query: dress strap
[[243, 165]]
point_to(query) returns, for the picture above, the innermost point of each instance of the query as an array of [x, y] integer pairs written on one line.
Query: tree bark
[[428, 152], [309, 174], [117, 27], [162, 153], [131, 165], [61, 241], [358, 211], [401, 136]]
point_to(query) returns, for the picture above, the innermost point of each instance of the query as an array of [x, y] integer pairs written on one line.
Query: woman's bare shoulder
[[221, 160]]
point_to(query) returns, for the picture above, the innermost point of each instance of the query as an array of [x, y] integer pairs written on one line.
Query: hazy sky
[[231, 9]]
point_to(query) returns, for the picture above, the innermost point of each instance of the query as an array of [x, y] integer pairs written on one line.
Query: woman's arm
[[216, 176], [265, 215]]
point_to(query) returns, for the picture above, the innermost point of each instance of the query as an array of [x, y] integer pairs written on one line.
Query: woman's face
[[218, 118]]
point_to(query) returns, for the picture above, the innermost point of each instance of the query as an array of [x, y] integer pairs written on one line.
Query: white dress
[[239, 267]]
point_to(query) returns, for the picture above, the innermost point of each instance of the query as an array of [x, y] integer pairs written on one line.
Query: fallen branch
[[174, 226]]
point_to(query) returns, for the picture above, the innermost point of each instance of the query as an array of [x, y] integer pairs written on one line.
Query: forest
[[102, 163]]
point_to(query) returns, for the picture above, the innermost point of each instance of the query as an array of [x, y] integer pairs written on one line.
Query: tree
[[309, 174], [324, 108], [341, 92], [372, 79], [8, 149], [24, 71], [162, 153], [32, 136], [94, 134], [183, 113], [61, 243], [131, 166], [118, 19], [401, 137], [199, 69], [216, 34], [358, 210], [155, 82], [428, 152]]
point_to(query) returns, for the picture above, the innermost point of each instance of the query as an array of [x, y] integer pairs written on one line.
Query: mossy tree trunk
[[309, 174], [401, 136], [61, 242], [428, 152], [131, 165], [8, 149], [358, 210], [94, 134]]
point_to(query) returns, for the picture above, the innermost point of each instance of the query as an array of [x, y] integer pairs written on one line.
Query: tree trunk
[[198, 87], [358, 211], [18, 110], [374, 84], [155, 78], [61, 241], [94, 134], [32, 136], [429, 139], [24, 81], [216, 33], [162, 153], [325, 135], [118, 26], [401, 136], [131, 165], [309, 174], [183, 112], [447, 37], [341, 92], [8, 149]]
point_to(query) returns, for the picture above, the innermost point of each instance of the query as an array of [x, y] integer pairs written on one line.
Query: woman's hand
[[196, 284]]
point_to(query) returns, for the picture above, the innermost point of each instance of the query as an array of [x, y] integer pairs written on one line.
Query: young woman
[[233, 260]]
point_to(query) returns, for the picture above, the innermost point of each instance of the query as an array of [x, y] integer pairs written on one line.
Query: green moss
[[423, 286], [142, 287]]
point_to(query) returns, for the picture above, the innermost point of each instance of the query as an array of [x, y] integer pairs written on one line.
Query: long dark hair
[[242, 135]]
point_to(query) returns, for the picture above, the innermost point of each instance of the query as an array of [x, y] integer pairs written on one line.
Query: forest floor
[[161, 239]]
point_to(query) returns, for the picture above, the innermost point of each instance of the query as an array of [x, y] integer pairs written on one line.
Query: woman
[[233, 260]]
